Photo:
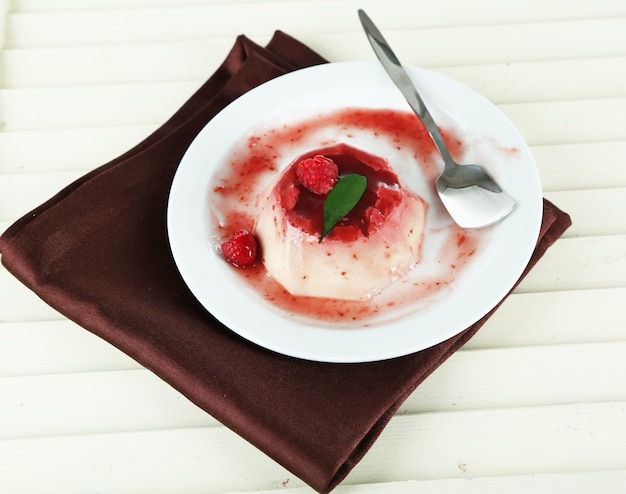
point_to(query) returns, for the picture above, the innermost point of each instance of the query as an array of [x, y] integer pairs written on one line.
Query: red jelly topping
[[304, 209]]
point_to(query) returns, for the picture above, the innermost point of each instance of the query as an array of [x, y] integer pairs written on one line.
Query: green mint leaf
[[342, 199]]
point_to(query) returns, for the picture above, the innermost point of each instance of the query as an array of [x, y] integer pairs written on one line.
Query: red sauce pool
[[260, 158]]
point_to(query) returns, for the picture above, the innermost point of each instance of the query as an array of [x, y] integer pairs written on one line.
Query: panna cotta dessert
[[312, 248]]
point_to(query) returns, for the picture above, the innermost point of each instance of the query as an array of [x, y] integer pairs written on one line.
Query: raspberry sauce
[[255, 162]]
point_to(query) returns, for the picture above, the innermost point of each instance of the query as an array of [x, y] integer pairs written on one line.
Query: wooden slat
[[207, 460], [580, 263], [21, 304], [476, 25], [437, 14], [480, 45], [562, 167], [560, 122], [62, 108], [89, 403], [544, 318], [110, 402], [24, 6], [179, 62], [55, 347], [573, 483], [32, 347], [517, 377], [67, 149], [582, 165], [555, 122], [556, 439], [77, 66], [590, 209], [41, 186], [580, 437], [549, 80], [571, 264]]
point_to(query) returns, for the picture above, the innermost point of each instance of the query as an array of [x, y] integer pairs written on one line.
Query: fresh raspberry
[[318, 174], [241, 249]]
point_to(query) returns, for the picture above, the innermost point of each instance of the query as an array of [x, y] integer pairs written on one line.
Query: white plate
[[355, 84]]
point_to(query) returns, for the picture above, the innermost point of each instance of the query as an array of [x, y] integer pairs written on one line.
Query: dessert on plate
[[350, 257]]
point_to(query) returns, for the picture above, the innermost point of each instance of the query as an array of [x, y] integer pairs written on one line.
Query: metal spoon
[[469, 194]]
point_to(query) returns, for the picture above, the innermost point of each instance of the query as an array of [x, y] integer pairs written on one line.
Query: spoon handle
[[401, 78]]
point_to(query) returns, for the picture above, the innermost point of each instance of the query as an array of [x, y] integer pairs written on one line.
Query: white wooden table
[[535, 402]]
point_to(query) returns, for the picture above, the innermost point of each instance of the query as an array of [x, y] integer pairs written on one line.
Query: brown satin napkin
[[98, 252]]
